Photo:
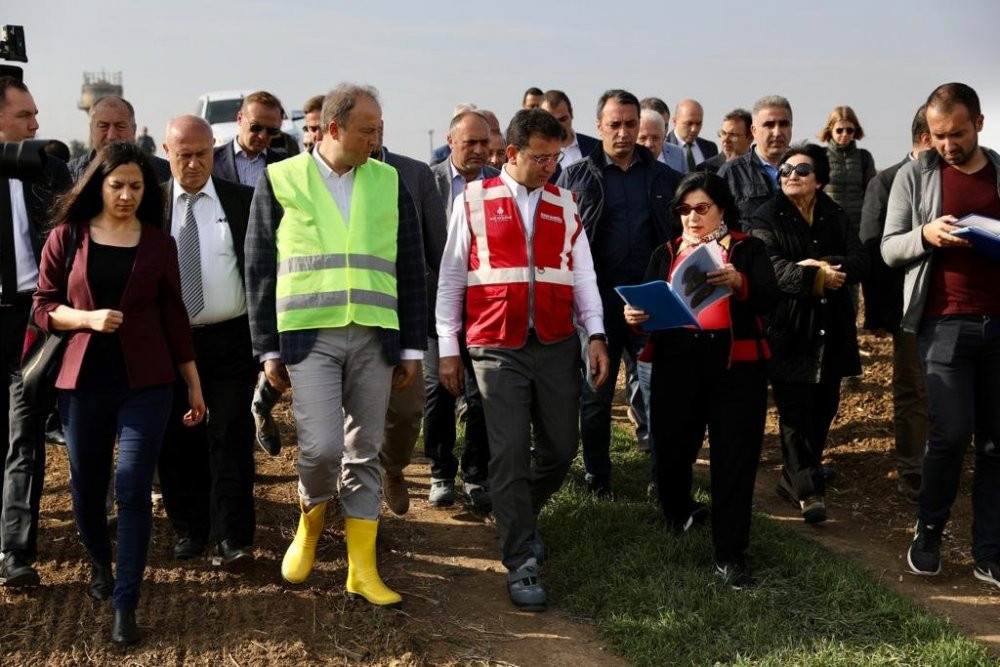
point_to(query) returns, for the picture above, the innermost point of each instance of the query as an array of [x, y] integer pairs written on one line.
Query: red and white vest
[[507, 280]]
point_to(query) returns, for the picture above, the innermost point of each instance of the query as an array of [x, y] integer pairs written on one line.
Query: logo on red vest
[[498, 215]]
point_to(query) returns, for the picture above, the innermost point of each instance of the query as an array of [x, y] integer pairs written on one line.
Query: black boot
[[102, 582], [124, 631]]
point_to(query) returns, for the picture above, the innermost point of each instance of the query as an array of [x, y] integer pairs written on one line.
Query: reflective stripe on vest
[[508, 279], [332, 273]]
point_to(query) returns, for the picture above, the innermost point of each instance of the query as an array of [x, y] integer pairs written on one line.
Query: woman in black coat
[[713, 377], [812, 332]]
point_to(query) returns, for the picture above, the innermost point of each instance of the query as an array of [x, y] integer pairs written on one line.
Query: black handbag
[[43, 350]]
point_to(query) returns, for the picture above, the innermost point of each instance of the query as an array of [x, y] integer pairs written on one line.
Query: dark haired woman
[[130, 334], [816, 252], [714, 377]]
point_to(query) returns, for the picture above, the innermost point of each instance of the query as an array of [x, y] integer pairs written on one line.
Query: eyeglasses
[[732, 136], [802, 169], [701, 209], [844, 130], [542, 160], [257, 128], [315, 129]]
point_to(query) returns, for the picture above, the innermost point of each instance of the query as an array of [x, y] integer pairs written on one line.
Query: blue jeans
[[962, 364], [92, 416]]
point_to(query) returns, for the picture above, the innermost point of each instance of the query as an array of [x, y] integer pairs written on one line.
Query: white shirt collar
[[208, 190], [326, 171], [516, 188]]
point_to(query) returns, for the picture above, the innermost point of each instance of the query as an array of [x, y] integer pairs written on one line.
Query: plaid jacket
[[261, 278]]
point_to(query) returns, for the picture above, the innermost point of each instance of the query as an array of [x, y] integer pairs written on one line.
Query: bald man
[[112, 118], [206, 473], [688, 119]]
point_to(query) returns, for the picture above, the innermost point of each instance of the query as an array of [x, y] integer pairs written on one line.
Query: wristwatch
[[599, 336]]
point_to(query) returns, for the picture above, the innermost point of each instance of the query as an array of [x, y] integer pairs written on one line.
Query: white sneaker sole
[[915, 570], [984, 577]]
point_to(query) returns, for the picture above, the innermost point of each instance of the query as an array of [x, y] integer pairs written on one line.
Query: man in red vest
[[516, 256]]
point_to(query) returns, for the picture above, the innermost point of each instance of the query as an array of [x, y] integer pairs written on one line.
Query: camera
[[18, 159]]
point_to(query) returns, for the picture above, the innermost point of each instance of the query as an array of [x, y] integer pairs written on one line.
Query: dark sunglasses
[[802, 169], [701, 209], [257, 128], [842, 130]]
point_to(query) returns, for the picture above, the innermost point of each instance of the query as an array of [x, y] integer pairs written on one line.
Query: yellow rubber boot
[[362, 574], [298, 560]]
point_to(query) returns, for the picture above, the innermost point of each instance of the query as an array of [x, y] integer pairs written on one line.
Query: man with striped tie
[[206, 473]]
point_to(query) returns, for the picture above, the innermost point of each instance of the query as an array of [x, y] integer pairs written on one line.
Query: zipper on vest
[[531, 269]]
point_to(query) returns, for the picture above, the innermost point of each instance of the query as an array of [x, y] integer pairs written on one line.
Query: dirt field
[[444, 562]]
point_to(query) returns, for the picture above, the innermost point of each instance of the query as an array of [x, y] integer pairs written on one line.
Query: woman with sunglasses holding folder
[[816, 254], [712, 377]]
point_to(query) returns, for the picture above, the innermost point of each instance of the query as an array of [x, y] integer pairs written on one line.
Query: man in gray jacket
[[952, 304]]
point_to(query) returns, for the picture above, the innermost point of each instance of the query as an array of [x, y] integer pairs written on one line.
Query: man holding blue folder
[[952, 303]]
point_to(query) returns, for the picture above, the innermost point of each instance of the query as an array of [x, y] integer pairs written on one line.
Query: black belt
[[241, 322], [20, 299]]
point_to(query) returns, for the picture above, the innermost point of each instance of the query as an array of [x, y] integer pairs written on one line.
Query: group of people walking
[[331, 272]]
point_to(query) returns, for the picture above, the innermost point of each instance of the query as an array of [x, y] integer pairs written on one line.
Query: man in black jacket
[[884, 309], [24, 206], [623, 195], [753, 177]]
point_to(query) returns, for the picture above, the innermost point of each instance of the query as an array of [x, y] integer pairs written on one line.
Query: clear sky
[[882, 57]]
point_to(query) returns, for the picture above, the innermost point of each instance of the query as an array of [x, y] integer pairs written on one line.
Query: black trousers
[[805, 412], [22, 449], [206, 472], [439, 423], [692, 389]]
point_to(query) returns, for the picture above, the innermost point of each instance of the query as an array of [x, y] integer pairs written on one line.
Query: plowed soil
[[444, 562]]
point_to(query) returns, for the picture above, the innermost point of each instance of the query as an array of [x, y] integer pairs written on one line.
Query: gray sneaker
[[477, 496], [524, 586], [441, 493]]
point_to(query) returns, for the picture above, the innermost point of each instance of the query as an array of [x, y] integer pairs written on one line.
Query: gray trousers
[[909, 403], [402, 427], [537, 385], [340, 397]]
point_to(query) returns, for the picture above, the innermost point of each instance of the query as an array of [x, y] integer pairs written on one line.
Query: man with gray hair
[[670, 154], [112, 118], [337, 302], [753, 177]]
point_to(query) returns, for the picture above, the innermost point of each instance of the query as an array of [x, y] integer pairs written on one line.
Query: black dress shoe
[[17, 571], [230, 555], [102, 582], [188, 548], [124, 631]]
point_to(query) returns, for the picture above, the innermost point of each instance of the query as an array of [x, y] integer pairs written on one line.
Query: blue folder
[[982, 241], [665, 307]]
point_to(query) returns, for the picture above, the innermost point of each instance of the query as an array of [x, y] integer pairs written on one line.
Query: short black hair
[[534, 92], [656, 104], [529, 122], [621, 97], [947, 95], [919, 125], [741, 115], [816, 153], [717, 190], [7, 82], [555, 97]]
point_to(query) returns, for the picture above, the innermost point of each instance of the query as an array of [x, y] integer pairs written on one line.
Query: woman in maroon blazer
[[130, 334]]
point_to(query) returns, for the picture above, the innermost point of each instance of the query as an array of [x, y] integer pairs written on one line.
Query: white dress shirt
[[452, 277], [340, 187], [220, 274], [699, 157], [24, 253], [571, 153]]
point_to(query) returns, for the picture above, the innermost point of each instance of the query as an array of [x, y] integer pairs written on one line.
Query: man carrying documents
[[518, 260], [709, 364], [951, 300]]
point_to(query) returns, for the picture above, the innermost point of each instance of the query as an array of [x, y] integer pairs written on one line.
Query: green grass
[[655, 599]]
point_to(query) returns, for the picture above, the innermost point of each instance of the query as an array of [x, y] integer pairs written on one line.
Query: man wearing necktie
[[688, 119], [206, 473], [24, 204]]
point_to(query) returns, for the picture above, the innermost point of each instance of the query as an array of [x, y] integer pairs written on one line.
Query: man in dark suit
[[112, 118], [24, 206], [206, 473], [244, 158], [468, 138], [735, 137], [576, 146], [343, 319], [688, 120], [406, 408]]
